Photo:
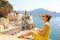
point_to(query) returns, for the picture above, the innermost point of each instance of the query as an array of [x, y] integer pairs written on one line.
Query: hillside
[[40, 11], [5, 7]]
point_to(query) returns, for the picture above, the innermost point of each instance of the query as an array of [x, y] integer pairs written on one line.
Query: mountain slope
[[40, 11]]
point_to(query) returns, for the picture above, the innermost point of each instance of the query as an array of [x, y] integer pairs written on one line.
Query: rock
[[10, 37]]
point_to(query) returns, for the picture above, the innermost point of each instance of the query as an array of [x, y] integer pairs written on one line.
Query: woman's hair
[[48, 16]]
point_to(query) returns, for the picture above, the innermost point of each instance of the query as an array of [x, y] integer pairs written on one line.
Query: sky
[[51, 5]]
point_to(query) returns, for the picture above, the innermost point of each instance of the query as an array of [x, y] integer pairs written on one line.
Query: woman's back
[[37, 36]]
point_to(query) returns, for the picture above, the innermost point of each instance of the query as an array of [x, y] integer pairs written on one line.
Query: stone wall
[[12, 31]]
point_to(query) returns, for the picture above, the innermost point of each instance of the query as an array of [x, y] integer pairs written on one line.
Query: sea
[[55, 26]]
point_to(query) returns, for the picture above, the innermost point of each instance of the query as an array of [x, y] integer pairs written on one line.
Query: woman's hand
[[35, 29]]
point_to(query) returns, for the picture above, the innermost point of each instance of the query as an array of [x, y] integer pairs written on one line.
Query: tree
[[5, 7]]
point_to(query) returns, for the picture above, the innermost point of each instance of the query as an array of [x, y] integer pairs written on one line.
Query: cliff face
[[5, 7]]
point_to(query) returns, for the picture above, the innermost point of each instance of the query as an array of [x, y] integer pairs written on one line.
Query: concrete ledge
[[9, 37]]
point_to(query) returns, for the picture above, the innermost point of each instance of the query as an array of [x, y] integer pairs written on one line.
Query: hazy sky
[[51, 5]]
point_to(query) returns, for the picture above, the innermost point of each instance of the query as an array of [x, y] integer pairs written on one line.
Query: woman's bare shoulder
[[47, 24]]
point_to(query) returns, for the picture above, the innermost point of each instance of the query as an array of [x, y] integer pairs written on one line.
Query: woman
[[40, 34]]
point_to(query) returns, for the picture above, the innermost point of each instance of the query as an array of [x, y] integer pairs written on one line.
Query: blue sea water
[[55, 26]]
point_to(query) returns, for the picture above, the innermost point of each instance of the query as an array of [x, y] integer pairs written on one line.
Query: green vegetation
[[5, 7]]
